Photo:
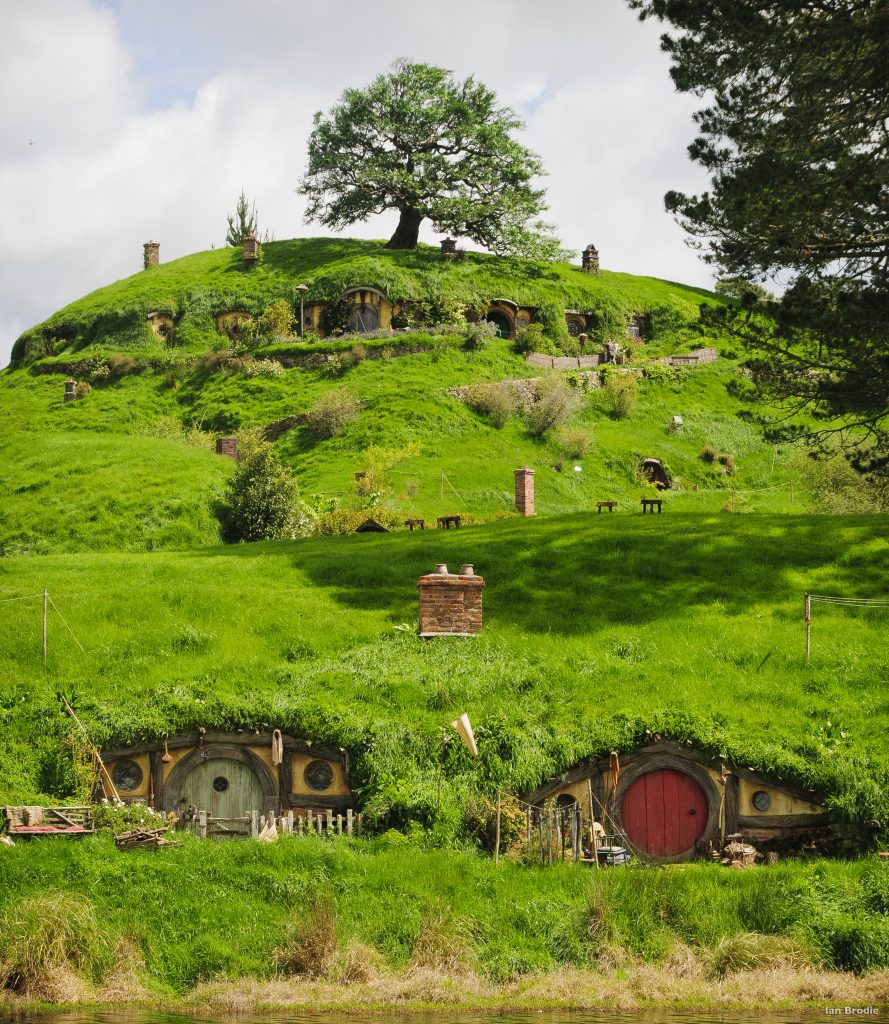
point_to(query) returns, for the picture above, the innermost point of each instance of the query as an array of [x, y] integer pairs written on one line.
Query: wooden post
[[560, 839], [202, 824], [575, 833], [339, 824], [310, 825], [360, 824], [808, 625], [45, 597], [497, 833], [301, 824], [349, 821], [254, 823], [329, 820], [549, 836], [593, 844], [540, 829], [290, 822], [528, 827]]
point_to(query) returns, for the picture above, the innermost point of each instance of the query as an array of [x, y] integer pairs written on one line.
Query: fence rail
[[322, 823]]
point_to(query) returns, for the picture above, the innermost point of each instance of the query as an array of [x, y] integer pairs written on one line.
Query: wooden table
[[446, 522], [610, 505], [649, 505], [420, 524]]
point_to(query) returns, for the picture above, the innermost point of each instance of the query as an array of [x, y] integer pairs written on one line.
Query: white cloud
[[149, 119]]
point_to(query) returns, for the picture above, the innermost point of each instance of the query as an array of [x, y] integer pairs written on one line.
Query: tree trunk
[[408, 231]]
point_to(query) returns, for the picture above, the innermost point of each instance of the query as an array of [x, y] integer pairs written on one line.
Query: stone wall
[[450, 604], [227, 446], [696, 358]]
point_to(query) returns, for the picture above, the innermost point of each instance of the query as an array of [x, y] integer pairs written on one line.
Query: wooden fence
[[560, 834], [324, 823]]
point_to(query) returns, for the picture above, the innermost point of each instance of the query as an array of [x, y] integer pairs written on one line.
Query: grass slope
[[225, 911], [599, 630], [197, 287]]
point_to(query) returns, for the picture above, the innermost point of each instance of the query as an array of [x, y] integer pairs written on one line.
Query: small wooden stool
[[420, 524], [610, 505], [649, 505], [446, 522]]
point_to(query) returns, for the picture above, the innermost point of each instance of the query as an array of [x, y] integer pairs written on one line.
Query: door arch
[[223, 779], [501, 321]]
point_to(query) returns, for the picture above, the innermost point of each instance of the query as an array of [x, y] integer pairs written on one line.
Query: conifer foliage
[[794, 140]]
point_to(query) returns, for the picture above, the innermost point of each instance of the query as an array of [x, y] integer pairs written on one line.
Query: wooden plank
[[661, 809], [339, 824], [349, 821], [202, 824], [254, 823], [290, 822]]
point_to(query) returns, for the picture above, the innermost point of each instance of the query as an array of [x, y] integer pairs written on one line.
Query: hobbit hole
[[231, 323], [162, 324]]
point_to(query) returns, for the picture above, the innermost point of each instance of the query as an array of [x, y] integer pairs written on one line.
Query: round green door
[[223, 787]]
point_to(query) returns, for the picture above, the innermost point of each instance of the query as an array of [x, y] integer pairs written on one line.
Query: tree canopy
[[794, 138], [418, 141], [261, 502]]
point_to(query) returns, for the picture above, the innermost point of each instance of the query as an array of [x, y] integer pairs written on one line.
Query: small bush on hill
[[121, 365], [496, 401], [276, 320], [267, 368], [619, 395], [332, 412], [709, 453], [477, 336], [530, 339], [728, 463], [556, 402], [261, 500], [573, 441]]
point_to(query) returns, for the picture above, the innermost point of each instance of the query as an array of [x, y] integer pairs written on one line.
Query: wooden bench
[[446, 522], [649, 505], [420, 524], [610, 505]]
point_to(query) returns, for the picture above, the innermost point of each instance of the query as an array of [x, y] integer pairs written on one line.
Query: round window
[[220, 783], [318, 775], [126, 775], [761, 800]]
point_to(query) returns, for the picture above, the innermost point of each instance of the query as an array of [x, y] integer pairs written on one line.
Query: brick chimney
[[524, 491], [251, 250], [227, 446], [151, 254], [590, 259], [450, 605]]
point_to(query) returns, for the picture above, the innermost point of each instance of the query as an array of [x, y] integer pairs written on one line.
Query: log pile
[[142, 838]]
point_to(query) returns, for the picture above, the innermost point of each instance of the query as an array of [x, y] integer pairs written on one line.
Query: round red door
[[664, 812]]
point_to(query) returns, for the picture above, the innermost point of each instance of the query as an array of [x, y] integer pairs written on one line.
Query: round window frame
[[317, 765], [761, 796], [121, 773]]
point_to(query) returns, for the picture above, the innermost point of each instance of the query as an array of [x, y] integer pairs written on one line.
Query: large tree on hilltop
[[795, 138], [420, 142]]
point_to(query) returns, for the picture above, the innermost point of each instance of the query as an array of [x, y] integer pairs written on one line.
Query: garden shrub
[[120, 365], [476, 336], [573, 441], [276, 321], [727, 462], [332, 412], [556, 402], [709, 453], [619, 395], [261, 498], [530, 339], [497, 401]]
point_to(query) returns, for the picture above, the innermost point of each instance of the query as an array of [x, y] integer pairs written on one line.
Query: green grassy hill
[[130, 466]]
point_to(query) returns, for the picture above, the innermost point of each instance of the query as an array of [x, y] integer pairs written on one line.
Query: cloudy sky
[[123, 121]]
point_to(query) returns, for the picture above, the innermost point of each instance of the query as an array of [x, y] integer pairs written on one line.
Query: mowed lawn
[[599, 630]]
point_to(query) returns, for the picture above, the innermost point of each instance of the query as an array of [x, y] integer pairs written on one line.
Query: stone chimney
[[151, 254], [70, 390], [448, 249], [590, 259], [227, 446], [251, 250], [450, 605], [524, 491]]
